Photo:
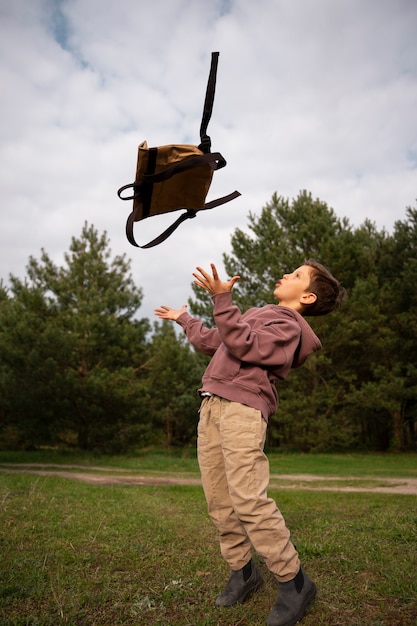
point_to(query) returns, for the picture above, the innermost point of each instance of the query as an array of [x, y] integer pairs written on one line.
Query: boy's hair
[[327, 288]]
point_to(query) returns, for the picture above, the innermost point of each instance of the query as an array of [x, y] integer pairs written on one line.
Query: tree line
[[79, 367]]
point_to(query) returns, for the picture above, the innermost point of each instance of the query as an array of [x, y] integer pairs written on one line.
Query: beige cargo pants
[[235, 475]]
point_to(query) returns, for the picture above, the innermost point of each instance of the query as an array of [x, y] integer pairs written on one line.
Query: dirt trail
[[109, 476]]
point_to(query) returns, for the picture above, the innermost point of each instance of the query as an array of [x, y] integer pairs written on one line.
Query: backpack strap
[[205, 144], [214, 159], [189, 214]]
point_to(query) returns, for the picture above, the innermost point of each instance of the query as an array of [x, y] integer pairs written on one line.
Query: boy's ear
[[308, 298]]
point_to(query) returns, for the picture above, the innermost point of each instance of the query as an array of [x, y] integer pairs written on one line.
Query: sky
[[318, 95]]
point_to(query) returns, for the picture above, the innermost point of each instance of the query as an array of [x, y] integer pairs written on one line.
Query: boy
[[250, 352]]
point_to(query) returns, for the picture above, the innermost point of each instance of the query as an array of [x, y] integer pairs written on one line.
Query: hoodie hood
[[308, 343]]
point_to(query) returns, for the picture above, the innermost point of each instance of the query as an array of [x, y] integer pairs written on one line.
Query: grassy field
[[80, 554], [184, 460]]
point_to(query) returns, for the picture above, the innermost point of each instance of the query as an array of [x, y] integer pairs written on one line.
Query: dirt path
[[109, 476]]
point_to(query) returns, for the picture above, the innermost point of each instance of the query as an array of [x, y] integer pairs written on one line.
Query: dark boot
[[293, 600], [242, 584]]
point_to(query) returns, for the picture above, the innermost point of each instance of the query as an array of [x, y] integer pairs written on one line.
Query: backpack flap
[[183, 182]]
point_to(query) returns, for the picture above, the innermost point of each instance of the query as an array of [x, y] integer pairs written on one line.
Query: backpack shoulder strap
[[205, 140], [189, 214]]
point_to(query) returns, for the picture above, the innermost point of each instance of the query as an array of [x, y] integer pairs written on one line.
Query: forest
[[79, 367]]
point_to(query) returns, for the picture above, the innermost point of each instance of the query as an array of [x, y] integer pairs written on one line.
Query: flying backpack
[[173, 177]]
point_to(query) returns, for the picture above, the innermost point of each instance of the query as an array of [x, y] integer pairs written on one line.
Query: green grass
[[84, 555], [388, 465], [161, 460]]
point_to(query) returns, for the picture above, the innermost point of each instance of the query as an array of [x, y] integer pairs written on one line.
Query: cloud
[[318, 96]]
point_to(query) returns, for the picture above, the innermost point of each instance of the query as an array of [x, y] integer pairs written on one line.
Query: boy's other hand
[[166, 313], [213, 284]]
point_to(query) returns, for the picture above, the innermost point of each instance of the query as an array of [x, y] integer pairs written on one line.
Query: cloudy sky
[[311, 94]]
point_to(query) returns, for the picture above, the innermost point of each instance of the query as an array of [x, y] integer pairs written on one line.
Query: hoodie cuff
[[222, 298], [183, 319]]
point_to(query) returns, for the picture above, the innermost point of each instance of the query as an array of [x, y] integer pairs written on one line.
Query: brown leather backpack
[[173, 177]]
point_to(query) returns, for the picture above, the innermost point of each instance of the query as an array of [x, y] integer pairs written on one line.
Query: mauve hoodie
[[250, 351]]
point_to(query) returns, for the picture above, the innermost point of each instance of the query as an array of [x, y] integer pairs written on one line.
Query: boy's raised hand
[[213, 284]]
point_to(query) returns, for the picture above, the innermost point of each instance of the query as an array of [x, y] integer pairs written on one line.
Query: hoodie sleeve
[[205, 340], [271, 344]]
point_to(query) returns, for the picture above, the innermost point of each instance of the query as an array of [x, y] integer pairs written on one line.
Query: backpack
[[173, 177]]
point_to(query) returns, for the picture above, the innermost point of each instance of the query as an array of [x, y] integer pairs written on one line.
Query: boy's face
[[292, 290]]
